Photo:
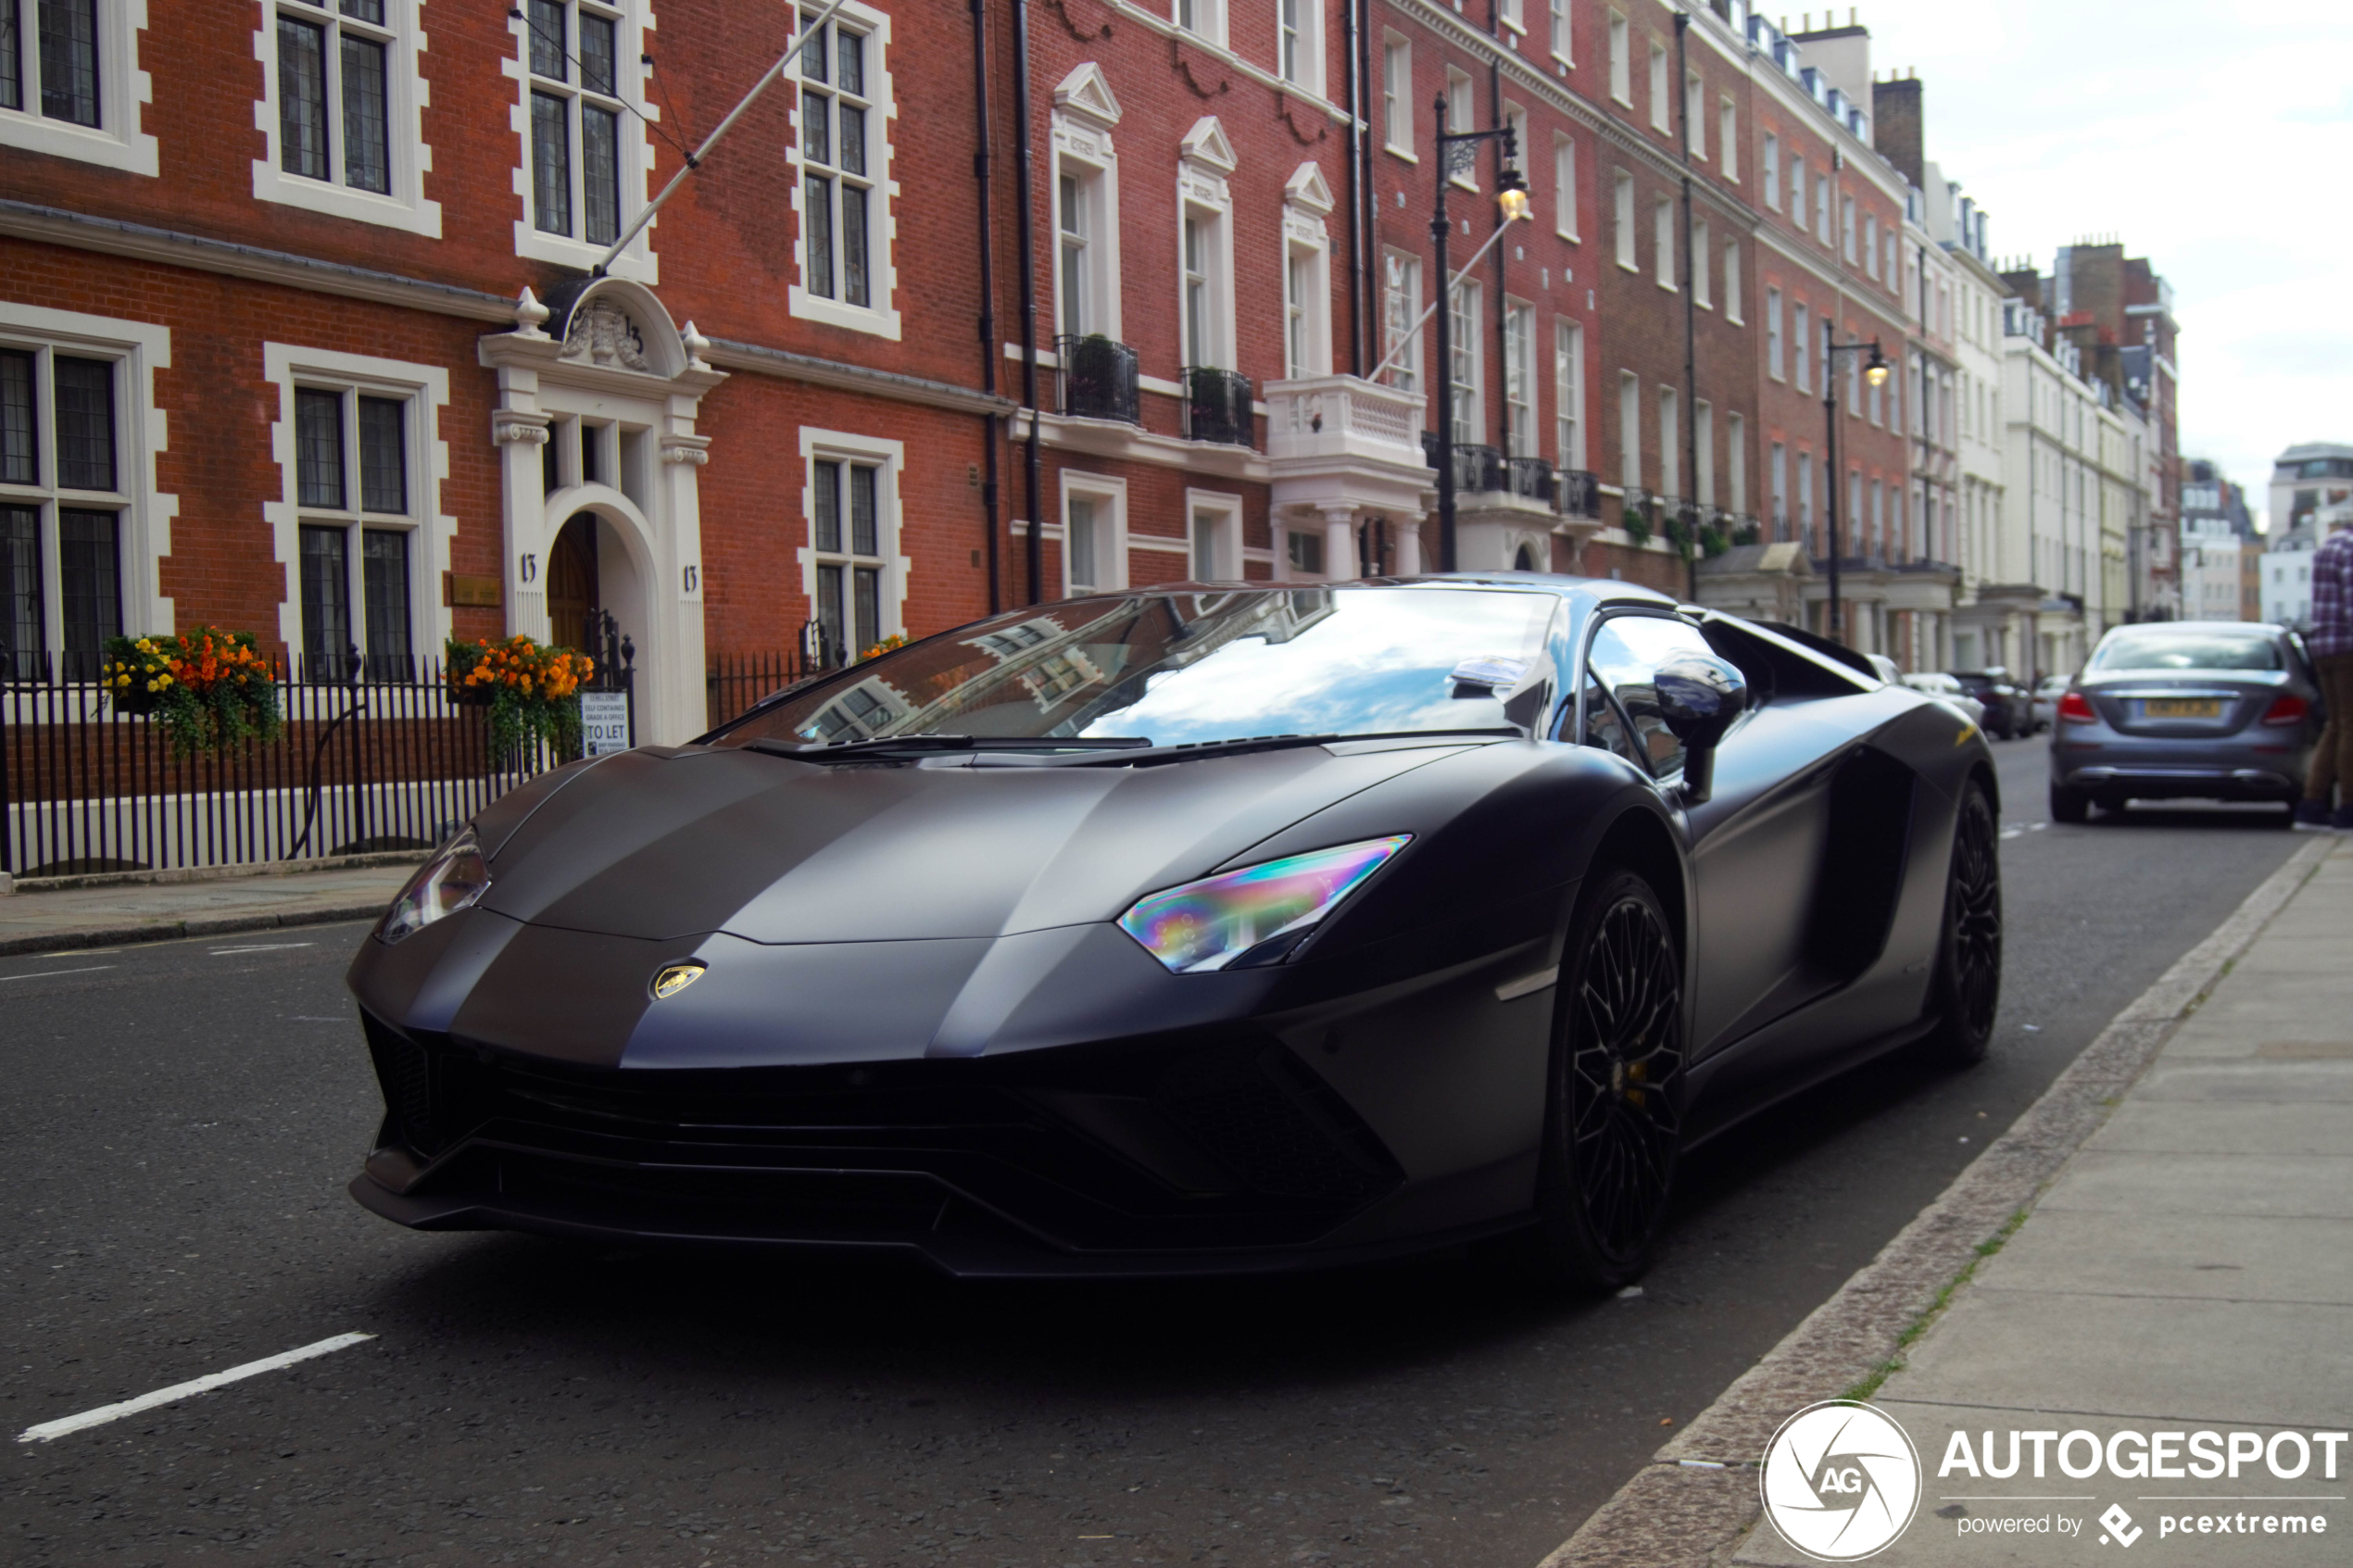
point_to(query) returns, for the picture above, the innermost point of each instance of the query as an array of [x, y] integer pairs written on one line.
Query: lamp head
[[1512, 197], [1875, 368]]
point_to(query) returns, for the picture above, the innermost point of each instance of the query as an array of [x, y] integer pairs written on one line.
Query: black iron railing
[[357, 768], [1095, 378], [1475, 466], [1217, 406], [1577, 493], [1531, 479], [734, 682]]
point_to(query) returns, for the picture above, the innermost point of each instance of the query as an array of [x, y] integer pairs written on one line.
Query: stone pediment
[[1206, 144], [1306, 189], [1086, 92], [614, 324]]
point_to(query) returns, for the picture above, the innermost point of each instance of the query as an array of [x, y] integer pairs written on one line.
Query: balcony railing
[[1095, 378], [1577, 493], [1217, 406], [1481, 470], [1528, 478]]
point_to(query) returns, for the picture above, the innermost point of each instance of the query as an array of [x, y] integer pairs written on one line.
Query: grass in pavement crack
[[1871, 1380]]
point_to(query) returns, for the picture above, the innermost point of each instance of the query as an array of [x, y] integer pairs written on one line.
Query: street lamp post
[[1457, 150], [1875, 371]]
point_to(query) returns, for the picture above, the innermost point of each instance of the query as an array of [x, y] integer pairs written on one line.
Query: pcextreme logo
[[1841, 1480]]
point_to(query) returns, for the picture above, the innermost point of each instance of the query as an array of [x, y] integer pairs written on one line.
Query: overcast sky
[[2215, 140]]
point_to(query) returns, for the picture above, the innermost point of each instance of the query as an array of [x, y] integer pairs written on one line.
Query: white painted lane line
[[46, 974], [48, 1430], [261, 947]]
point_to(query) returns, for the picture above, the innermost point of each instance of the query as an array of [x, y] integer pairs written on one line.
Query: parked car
[[2047, 693], [1937, 683], [1192, 929], [2205, 709], [2006, 704]]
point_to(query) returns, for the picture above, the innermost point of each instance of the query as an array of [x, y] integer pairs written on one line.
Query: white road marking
[[261, 947], [49, 1430], [46, 974]]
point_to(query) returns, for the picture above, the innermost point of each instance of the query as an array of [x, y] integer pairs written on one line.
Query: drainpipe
[[1352, 41], [1502, 307], [991, 432], [1033, 564], [1691, 312]]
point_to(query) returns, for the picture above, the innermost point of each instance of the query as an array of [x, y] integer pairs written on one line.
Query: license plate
[[2183, 707]]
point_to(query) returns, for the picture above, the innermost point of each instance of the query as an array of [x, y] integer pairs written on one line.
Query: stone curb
[[11, 886], [176, 930], [1697, 1498]]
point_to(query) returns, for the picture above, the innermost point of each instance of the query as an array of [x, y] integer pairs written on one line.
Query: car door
[[1757, 843]]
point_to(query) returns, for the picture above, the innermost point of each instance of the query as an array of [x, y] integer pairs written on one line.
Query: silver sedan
[[2185, 710]]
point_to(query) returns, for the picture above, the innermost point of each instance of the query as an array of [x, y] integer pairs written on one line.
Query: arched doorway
[[1525, 560], [573, 595]]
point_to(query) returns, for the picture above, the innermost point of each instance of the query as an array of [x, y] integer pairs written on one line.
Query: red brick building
[[299, 330]]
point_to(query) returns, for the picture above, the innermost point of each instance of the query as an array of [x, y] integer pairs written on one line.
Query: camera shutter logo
[[1840, 1481]]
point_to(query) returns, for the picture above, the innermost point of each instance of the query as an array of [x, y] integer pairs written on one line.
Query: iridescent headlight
[[1208, 925], [451, 881]]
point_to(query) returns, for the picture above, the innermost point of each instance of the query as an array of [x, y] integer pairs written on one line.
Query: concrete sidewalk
[[109, 915], [2190, 1269]]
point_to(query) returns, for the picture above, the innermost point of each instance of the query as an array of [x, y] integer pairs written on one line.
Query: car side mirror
[[1699, 696]]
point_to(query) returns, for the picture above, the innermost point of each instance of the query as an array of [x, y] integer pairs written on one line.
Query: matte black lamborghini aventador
[[1196, 928]]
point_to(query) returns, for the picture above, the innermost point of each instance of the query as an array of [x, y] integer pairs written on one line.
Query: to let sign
[[604, 722]]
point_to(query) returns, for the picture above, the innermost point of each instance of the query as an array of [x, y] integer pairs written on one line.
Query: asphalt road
[[179, 1121]]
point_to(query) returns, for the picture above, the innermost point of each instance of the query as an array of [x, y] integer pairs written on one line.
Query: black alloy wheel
[[1969, 970], [1612, 1129]]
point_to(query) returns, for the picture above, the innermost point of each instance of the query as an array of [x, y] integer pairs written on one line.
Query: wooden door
[[572, 583]]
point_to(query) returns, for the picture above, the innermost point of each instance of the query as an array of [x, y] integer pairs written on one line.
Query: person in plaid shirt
[[2330, 644]]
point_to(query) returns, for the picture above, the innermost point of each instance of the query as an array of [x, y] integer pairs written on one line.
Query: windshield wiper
[[925, 745], [1241, 745]]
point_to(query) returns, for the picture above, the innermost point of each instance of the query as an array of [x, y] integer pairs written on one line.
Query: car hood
[[664, 845]]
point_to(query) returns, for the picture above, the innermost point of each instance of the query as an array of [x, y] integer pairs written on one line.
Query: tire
[[2070, 805], [1612, 1125], [1967, 990]]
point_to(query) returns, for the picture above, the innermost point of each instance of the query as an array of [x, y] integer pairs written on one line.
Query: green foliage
[[208, 689]]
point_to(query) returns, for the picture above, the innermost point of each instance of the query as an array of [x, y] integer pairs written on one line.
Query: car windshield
[[1188, 666], [2186, 647]]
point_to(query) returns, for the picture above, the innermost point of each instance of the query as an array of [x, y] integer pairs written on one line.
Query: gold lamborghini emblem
[[673, 978]]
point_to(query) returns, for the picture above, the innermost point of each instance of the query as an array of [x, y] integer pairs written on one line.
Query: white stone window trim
[[1621, 59], [1208, 21], [1565, 187], [409, 155], [1561, 32], [630, 42], [1397, 99], [890, 458], [1228, 536], [1307, 201], [1205, 160], [426, 388], [880, 320], [1081, 122], [1568, 393], [1401, 280], [117, 141], [139, 349], [1467, 341], [1462, 114], [1109, 492], [1310, 79]]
